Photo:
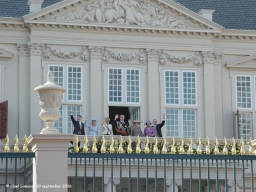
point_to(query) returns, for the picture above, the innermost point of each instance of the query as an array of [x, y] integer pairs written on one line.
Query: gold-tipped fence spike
[[16, 144], [207, 146], [138, 149], [251, 151], [225, 149], [216, 148], [233, 144], [120, 148], [198, 150], [7, 142], [94, 147], [173, 148], [164, 148], [129, 147], [76, 140], [111, 147], [182, 150], [190, 149], [25, 144], [103, 148], [146, 146], [85, 148], [242, 150], [155, 148]]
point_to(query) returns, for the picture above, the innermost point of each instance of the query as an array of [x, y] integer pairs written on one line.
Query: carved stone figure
[[128, 12]]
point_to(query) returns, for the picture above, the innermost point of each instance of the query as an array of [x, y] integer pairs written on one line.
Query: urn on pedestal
[[50, 101]]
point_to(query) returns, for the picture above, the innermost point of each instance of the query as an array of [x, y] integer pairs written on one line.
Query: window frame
[[124, 86], [181, 106]]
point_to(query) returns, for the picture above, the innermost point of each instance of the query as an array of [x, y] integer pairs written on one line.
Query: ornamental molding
[[180, 59], [122, 56], [35, 46], [65, 54], [245, 62], [5, 54]]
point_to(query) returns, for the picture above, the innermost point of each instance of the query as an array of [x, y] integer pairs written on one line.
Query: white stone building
[[140, 58]]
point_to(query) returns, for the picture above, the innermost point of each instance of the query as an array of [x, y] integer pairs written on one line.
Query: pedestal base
[[50, 131]]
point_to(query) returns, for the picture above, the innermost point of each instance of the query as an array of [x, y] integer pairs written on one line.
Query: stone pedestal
[[50, 165]]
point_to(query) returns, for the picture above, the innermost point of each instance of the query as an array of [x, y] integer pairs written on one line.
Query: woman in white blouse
[[106, 127]]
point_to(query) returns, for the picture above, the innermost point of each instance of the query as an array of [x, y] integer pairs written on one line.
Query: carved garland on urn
[[124, 56], [48, 51]]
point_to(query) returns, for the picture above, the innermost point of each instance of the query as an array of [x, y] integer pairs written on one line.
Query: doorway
[[120, 111]]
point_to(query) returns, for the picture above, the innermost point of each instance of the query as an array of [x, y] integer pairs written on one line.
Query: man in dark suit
[[158, 127], [119, 126], [78, 125]]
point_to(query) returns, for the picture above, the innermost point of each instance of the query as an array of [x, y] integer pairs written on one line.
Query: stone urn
[[50, 101]]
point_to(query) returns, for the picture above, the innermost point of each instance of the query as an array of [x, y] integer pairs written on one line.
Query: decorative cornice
[[180, 59], [124, 56], [48, 51]]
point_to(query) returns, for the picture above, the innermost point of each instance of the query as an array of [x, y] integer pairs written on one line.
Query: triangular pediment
[[162, 14], [5, 54], [247, 62]]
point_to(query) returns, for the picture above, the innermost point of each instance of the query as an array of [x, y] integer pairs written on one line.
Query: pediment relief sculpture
[[122, 12]]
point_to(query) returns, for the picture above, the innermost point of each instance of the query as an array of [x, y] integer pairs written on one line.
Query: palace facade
[[141, 58]]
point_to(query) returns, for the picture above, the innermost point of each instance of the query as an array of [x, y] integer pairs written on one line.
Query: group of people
[[118, 127]]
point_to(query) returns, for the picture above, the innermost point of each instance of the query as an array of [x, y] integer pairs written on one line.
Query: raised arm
[[71, 115], [163, 121]]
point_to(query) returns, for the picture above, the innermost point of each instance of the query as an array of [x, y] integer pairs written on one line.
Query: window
[[69, 77], [181, 103], [244, 102], [115, 85], [243, 87], [119, 78]]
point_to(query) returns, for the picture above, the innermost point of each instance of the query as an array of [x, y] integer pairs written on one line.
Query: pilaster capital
[[153, 54], [23, 49], [170, 182], [106, 181], [35, 48], [95, 52], [116, 181], [230, 183], [212, 57]]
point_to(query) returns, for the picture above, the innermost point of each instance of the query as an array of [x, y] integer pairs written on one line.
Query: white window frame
[[81, 83], [252, 90], [65, 101], [124, 86], [181, 106], [179, 89], [196, 82], [251, 110]]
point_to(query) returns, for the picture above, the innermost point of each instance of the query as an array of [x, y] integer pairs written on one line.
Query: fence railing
[[190, 171], [176, 165], [16, 164]]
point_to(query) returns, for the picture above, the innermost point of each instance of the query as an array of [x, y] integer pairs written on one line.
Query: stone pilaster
[[96, 83], [209, 95], [153, 77], [24, 90], [36, 79], [218, 95]]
